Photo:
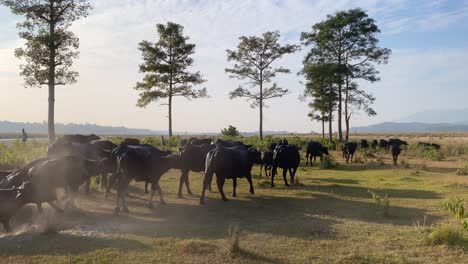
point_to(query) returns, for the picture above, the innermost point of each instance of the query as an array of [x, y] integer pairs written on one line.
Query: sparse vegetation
[[328, 162], [17, 154], [233, 240], [463, 171], [446, 234], [383, 202]]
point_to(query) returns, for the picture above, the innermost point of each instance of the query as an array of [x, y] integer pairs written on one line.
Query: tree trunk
[[346, 108], [51, 79], [261, 106], [330, 117], [340, 132], [323, 127], [170, 115]]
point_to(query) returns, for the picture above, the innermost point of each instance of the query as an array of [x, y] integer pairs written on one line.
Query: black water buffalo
[[192, 158], [77, 138], [397, 142], [131, 141], [383, 144], [288, 158], [96, 150], [349, 148], [11, 200], [396, 150], [229, 143], [68, 173], [141, 163], [267, 162], [374, 144], [428, 145], [229, 163], [364, 144], [314, 150], [17, 178]]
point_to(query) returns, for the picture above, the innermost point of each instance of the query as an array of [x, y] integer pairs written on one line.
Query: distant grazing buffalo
[[396, 150], [428, 145], [288, 158], [383, 144], [314, 150], [364, 144], [229, 163], [374, 144], [397, 142], [349, 148]]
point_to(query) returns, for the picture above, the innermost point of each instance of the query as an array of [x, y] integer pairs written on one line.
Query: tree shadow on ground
[[29, 244]]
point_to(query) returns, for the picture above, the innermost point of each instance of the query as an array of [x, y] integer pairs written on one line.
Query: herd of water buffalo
[[74, 159]]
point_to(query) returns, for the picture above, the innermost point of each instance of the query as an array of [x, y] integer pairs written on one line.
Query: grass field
[[328, 217]]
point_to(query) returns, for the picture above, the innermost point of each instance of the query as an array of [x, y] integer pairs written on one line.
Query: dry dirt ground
[[328, 217]]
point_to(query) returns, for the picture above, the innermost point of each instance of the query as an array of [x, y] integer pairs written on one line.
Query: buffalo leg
[[249, 179], [55, 206], [307, 159], [103, 181], [206, 182], [88, 185], [273, 172], [261, 170], [234, 187], [39, 208], [6, 225], [156, 188], [220, 183], [110, 182], [291, 174], [146, 187], [284, 177]]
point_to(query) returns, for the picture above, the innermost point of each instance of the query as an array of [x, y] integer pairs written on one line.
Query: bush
[[433, 154], [154, 141], [384, 202], [328, 162], [446, 234], [18, 154], [456, 207], [116, 140], [463, 171]]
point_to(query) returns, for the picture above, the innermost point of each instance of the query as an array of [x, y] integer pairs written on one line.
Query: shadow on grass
[[28, 244], [245, 254]]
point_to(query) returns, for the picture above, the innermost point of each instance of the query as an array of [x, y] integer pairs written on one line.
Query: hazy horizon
[[426, 71]]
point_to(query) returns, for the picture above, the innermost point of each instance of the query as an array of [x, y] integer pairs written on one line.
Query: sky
[[427, 69]]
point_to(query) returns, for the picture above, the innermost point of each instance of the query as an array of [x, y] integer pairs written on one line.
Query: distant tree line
[[343, 51]]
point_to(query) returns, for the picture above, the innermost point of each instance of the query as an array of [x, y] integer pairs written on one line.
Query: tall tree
[[50, 46], [347, 38], [253, 62], [322, 85], [165, 65], [357, 101]]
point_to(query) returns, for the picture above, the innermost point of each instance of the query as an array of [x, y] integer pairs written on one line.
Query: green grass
[[328, 218]]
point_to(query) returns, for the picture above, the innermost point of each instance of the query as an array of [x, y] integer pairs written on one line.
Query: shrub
[[456, 207], [154, 141], [233, 240], [433, 154], [18, 154], [116, 140], [328, 162], [384, 202], [463, 171], [446, 234]]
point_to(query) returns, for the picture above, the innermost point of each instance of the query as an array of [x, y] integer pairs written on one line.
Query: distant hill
[[412, 127], [39, 128], [440, 116]]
